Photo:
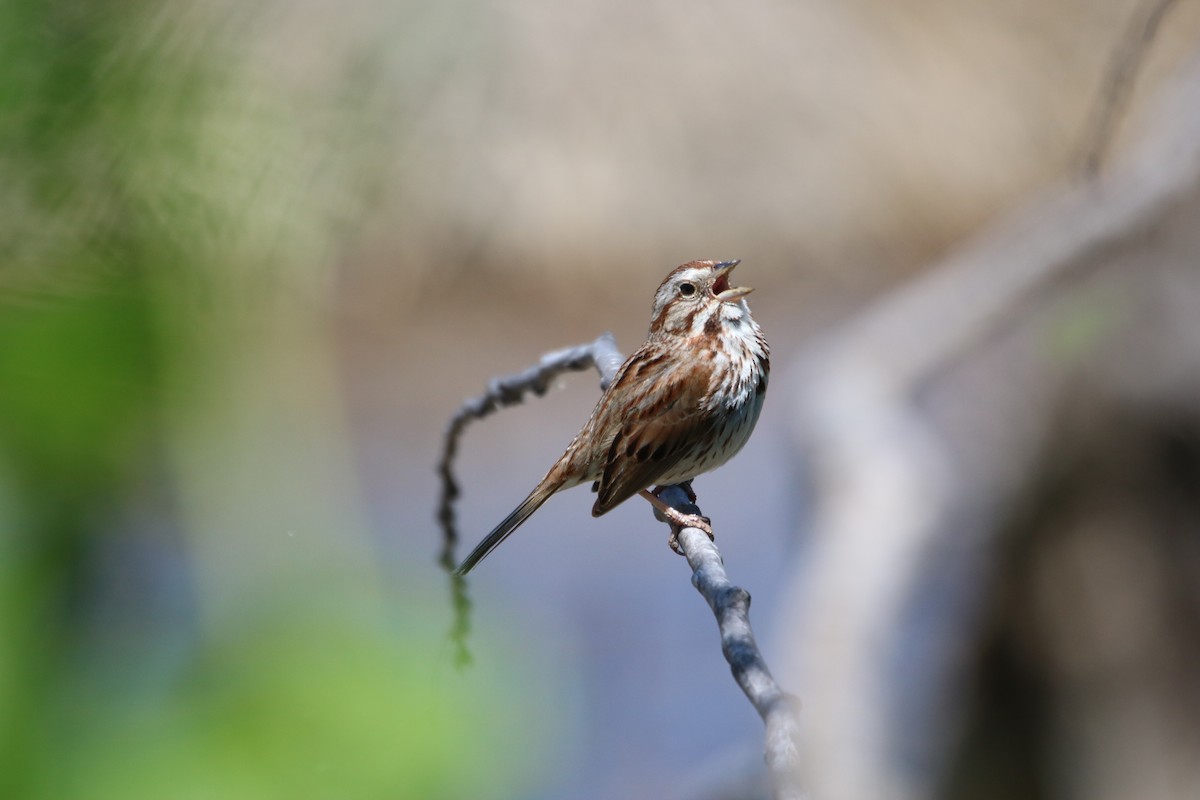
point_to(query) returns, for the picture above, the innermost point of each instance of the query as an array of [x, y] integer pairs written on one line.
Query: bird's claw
[[679, 521]]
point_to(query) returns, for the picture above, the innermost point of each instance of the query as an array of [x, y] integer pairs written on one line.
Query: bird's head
[[692, 296]]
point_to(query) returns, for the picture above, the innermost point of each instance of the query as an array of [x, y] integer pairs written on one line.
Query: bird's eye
[[687, 289]]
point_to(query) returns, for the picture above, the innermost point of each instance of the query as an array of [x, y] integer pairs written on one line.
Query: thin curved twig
[[730, 604], [506, 391]]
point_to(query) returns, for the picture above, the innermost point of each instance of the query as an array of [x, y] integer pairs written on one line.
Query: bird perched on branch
[[682, 405]]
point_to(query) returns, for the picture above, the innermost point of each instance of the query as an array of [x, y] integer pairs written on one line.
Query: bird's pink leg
[[678, 520]]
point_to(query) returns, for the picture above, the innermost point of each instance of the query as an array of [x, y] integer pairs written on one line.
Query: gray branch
[[731, 606], [507, 391]]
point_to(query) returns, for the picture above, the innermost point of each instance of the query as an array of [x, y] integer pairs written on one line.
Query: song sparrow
[[683, 404]]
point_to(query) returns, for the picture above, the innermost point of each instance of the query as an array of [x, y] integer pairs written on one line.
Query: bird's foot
[[679, 521]]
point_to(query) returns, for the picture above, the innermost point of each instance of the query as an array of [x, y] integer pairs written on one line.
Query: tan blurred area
[[842, 144], [256, 255]]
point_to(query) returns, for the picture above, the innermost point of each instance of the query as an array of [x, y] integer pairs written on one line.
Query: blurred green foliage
[[158, 202], [312, 705]]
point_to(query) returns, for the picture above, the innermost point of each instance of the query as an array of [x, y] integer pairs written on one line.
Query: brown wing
[[659, 428]]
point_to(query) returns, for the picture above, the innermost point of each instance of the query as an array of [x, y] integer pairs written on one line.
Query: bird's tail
[[513, 521]]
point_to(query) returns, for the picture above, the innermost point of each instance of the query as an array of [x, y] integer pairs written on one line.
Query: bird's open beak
[[721, 288]]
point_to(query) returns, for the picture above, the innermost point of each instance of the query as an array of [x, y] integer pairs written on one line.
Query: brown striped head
[[695, 297]]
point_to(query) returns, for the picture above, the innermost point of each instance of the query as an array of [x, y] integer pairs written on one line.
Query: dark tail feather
[[510, 524]]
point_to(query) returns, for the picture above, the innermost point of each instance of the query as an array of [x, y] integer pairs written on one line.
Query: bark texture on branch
[[601, 354], [730, 604]]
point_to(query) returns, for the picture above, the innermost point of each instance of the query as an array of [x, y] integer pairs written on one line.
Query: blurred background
[[254, 255]]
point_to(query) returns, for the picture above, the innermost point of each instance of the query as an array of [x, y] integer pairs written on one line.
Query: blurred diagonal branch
[[731, 606], [924, 422], [1119, 79]]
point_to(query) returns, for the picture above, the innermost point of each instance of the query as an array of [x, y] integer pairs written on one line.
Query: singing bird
[[683, 404]]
